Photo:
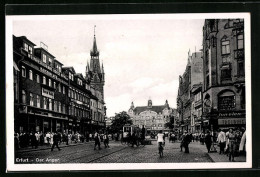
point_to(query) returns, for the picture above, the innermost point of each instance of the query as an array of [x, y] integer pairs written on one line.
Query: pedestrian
[[186, 142], [55, 141], [87, 136], [97, 140], [242, 145], [160, 141], [16, 141], [221, 140], [182, 140], [48, 137], [202, 138], [106, 140], [134, 139], [32, 139], [51, 138], [208, 141], [231, 143]]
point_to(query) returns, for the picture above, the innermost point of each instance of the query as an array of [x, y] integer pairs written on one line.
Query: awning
[[16, 67]]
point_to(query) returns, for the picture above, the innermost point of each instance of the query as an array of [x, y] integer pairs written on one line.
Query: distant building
[[223, 73], [151, 117]]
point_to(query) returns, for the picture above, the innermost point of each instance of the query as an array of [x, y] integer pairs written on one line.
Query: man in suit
[[55, 141]]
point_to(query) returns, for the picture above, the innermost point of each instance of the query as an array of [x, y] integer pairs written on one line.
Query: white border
[[122, 166]]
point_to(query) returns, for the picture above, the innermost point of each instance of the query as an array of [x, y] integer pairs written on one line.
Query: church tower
[[94, 71]]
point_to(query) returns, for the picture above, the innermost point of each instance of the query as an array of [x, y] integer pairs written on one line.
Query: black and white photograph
[[129, 91]]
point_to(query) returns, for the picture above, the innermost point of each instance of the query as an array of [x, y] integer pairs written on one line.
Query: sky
[[143, 56]]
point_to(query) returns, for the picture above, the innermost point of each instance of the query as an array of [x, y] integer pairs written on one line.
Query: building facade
[[223, 73], [48, 96], [190, 78], [151, 117]]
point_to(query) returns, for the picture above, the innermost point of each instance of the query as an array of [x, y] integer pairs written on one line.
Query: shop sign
[[231, 121], [231, 114], [47, 93]]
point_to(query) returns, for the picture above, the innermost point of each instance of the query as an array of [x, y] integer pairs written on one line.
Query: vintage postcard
[[117, 92]]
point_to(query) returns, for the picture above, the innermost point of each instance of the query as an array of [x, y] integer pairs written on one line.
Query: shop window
[[226, 101], [225, 46]]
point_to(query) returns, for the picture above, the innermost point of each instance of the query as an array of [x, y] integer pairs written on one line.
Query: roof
[[25, 38], [40, 48], [55, 60], [156, 109], [69, 68], [79, 75]]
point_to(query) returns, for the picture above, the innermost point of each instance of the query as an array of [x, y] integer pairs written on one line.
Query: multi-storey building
[[152, 117], [224, 73], [191, 77], [196, 109], [48, 96]]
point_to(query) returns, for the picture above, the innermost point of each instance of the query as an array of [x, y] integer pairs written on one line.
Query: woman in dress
[[231, 143]]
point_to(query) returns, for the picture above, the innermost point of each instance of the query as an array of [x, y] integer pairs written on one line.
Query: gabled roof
[[79, 75], [69, 68], [42, 49], [27, 40]]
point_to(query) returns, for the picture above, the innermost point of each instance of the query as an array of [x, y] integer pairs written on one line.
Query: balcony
[[239, 54]]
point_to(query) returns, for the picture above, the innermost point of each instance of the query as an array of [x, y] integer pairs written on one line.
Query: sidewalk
[[45, 147], [216, 157]]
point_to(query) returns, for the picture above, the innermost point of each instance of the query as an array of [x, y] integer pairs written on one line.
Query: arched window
[[226, 100]]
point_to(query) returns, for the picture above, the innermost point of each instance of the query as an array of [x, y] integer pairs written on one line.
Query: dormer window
[[44, 58], [25, 46], [30, 52], [50, 61], [79, 82]]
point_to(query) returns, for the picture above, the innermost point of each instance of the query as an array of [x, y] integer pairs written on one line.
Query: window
[[23, 97], [226, 101], [44, 58], [44, 103], [50, 104], [50, 61], [30, 75], [63, 90], [23, 71], [50, 83], [54, 85], [69, 93], [25, 46], [55, 105], [240, 41], [30, 52], [38, 101], [225, 46], [31, 99], [226, 59], [44, 80], [226, 74], [64, 109], [59, 110], [59, 86], [37, 78], [241, 68]]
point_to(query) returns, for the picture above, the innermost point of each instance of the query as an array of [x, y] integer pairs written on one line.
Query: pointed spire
[[94, 51], [87, 68], [132, 105], [102, 68]]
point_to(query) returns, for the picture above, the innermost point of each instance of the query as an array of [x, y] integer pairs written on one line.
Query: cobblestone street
[[117, 153]]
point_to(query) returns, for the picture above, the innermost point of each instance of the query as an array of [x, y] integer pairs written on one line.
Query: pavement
[[118, 153]]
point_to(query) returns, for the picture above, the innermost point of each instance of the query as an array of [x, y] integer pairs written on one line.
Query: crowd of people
[[52, 139]]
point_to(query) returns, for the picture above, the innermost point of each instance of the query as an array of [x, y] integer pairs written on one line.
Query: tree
[[170, 124], [120, 120]]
